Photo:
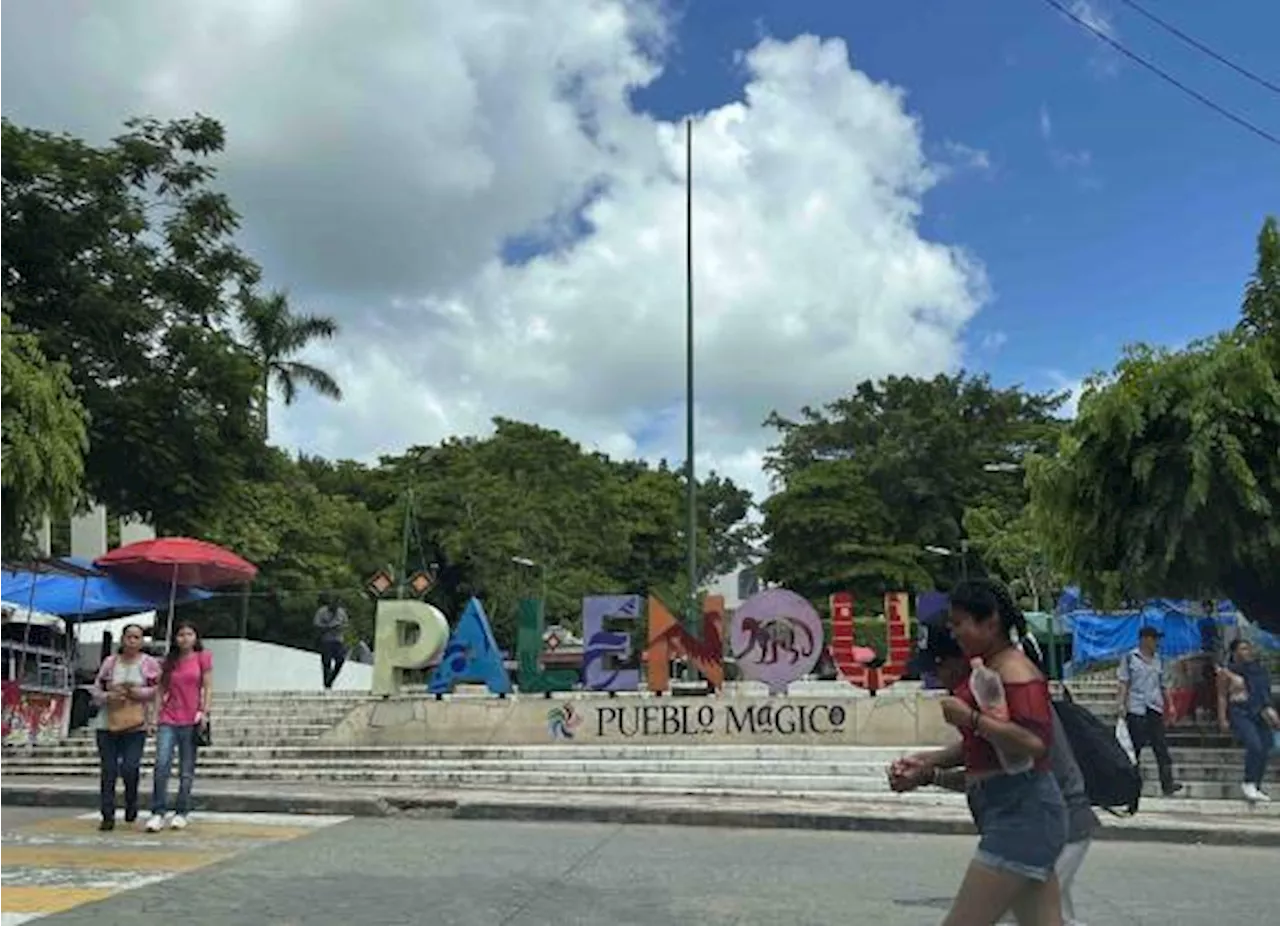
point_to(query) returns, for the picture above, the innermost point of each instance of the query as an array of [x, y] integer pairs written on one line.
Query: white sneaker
[[155, 823], [1252, 793], [179, 822]]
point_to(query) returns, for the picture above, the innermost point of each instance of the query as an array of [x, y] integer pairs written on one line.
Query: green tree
[[1260, 314], [121, 261], [305, 542], [275, 335], [1014, 550], [45, 438], [871, 480], [1169, 478], [597, 526], [831, 531]]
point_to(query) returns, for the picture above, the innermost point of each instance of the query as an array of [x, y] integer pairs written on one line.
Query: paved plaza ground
[[299, 871]]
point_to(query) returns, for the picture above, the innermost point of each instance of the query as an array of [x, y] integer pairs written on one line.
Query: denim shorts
[[1022, 820]]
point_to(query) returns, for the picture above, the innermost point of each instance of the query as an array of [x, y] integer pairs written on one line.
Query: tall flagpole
[[691, 486]]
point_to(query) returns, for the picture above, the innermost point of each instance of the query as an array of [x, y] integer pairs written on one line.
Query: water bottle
[[988, 691]]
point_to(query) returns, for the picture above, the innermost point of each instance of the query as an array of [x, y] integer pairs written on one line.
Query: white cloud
[[1073, 386], [994, 340], [959, 156], [1092, 15], [1103, 61], [382, 160], [1078, 161]]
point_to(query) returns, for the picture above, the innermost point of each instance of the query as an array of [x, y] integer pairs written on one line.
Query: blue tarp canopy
[[1097, 636], [90, 595]]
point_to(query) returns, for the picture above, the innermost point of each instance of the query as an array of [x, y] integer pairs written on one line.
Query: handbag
[[127, 716], [204, 734]]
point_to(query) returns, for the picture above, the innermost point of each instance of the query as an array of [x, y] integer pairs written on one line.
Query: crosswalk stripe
[[49, 899], [105, 879], [205, 829], [53, 865], [115, 858], [305, 821]]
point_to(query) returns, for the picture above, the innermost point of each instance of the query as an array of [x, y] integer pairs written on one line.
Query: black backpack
[[1110, 779]]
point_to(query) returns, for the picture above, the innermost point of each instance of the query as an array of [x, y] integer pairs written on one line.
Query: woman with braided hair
[[1008, 775]]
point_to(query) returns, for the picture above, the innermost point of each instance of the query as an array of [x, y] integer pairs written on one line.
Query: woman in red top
[[1015, 798]]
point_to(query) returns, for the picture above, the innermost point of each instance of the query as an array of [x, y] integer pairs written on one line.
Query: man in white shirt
[[1144, 703]]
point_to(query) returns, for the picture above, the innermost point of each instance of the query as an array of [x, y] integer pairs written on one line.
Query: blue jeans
[[184, 738], [1253, 733], [120, 756]]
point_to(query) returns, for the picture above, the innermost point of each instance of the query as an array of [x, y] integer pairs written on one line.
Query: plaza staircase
[[275, 737]]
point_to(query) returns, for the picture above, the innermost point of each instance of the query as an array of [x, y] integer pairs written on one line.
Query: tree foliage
[[42, 471], [1016, 551], [121, 261], [275, 335], [595, 525], [872, 479], [1170, 476]]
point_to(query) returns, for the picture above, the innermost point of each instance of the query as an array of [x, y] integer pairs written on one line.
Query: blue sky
[[1115, 208]]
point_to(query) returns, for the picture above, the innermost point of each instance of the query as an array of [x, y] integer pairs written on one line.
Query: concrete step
[[308, 748], [853, 766], [233, 729], [628, 781]]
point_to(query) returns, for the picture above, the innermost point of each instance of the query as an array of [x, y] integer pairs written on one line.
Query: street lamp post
[[534, 564], [691, 487], [947, 551]]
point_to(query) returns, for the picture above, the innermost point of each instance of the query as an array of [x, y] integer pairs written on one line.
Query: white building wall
[[89, 533], [736, 586], [249, 665]]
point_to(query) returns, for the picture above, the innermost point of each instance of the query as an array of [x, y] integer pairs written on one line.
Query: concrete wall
[[248, 665], [590, 719]]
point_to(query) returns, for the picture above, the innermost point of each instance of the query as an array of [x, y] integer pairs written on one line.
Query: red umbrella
[[180, 561]]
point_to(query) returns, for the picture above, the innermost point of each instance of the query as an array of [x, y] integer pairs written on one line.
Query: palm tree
[[275, 334]]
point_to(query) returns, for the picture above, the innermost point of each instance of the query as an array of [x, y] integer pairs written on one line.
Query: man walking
[[331, 623], [1146, 705]]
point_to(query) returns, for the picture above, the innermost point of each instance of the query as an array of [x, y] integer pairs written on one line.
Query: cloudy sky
[[489, 195]]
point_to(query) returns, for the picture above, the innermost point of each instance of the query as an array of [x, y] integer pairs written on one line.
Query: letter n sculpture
[[668, 640]]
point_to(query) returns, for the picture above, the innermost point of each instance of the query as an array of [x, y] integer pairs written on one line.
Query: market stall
[[44, 601]]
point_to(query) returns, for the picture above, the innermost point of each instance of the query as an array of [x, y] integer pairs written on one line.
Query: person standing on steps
[[331, 623], [1244, 709], [124, 690], [1145, 704], [186, 691]]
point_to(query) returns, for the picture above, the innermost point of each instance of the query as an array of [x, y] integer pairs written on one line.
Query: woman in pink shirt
[[186, 688]]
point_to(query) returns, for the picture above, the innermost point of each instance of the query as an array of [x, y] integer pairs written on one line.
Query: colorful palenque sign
[[668, 640], [532, 676], [775, 637], [852, 660], [471, 655], [611, 660]]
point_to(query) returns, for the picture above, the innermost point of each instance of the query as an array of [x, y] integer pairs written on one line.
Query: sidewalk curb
[[385, 805]]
